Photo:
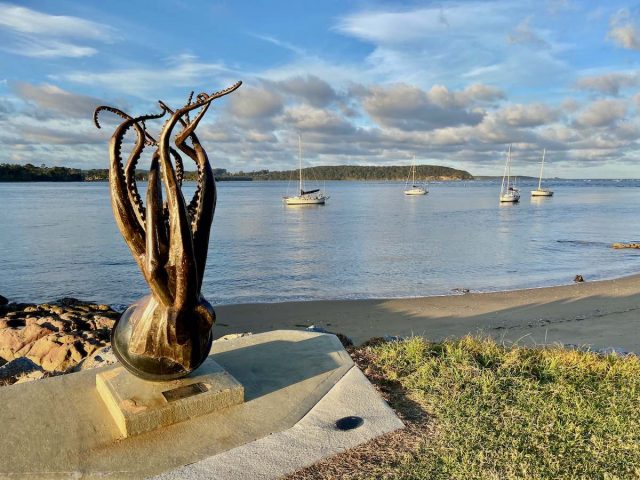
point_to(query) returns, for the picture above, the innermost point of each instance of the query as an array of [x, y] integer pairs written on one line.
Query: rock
[[54, 324], [69, 302], [56, 309], [10, 342], [460, 290], [626, 245], [578, 279], [69, 316], [100, 358], [3, 300], [33, 332], [41, 348], [103, 322], [102, 308], [17, 367], [31, 309], [59, 358]]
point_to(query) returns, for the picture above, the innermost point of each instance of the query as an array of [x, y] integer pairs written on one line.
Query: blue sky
[[367, 83]]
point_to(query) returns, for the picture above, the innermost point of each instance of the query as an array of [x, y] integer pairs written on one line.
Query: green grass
[[525, 413]]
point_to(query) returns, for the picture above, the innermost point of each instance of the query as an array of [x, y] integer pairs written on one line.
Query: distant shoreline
[[32, 173]]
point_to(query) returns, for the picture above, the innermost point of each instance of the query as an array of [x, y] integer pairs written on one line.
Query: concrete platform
[[60, 428], [139, 406]]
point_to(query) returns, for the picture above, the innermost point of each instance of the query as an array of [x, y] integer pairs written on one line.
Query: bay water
[[368, 241]]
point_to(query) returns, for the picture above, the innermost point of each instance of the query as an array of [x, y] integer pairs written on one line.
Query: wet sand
[[598, 314]]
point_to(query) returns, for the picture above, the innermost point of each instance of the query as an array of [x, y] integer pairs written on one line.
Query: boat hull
[[509, 198], [303, 200], [415, 191], [541, 193]]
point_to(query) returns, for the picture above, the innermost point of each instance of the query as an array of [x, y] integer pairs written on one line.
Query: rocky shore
[[49, 339]]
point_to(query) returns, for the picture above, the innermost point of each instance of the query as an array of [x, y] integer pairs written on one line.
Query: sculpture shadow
[[271, 366]]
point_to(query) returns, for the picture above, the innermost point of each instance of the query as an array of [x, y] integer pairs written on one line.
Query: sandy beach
[[599, 314]]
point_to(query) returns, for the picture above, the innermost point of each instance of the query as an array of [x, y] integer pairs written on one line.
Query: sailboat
[[541, 192], [306, 197], [414, 189], [508, 191]]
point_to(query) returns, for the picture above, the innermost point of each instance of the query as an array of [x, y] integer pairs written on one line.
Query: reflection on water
[[370, 240]]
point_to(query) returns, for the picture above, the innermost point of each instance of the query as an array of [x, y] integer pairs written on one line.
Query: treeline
[[356, 172], [31, 173]]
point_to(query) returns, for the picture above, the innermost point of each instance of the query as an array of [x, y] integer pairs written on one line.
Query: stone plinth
[[296, 385], [139, 406]]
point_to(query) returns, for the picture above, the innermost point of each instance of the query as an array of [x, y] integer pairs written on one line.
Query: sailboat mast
[[414, 170], [541, 167], [509, 168], [504, 174], [300, 162]]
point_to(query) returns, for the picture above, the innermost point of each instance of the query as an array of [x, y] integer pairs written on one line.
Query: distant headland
[[31, 173]]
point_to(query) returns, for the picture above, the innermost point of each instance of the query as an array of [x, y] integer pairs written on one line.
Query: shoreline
[[600, 313], [39, 340]]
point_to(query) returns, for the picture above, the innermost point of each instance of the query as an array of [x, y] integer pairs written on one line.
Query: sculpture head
[[168, 333]]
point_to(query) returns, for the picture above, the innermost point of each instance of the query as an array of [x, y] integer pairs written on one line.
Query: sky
[[362, 82]]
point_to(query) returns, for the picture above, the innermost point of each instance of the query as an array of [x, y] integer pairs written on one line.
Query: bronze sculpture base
[[151, 365]]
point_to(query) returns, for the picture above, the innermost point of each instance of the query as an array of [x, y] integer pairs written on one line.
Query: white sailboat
[[306, 197], [414, 189], [541, 192], [508, 191]]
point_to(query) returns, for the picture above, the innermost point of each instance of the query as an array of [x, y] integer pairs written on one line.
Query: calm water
[[60, 239]]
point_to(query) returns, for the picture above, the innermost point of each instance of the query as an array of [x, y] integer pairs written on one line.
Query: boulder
[[69, 316], [69, 302], [10, 342], [53, 323], [626, 245], [17, 367], [100, 358], [3, 300], [41, 348], [103, 322]]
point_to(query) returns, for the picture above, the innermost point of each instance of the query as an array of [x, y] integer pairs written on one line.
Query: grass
[[478, 410]]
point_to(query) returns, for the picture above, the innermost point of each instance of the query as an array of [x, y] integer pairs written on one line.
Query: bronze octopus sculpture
[[167, 334]]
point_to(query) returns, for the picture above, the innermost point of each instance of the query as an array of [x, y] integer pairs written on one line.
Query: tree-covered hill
[[358, 172]]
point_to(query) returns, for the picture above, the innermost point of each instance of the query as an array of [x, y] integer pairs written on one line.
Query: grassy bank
[[477, 410]]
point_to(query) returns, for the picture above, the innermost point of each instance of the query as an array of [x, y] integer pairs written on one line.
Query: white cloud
[[531, 115], [40, 35], [54, 99], [624, 31], [255, 103], [602, 113], [608, 83], [523, 33], [184, 71], [407, 107]]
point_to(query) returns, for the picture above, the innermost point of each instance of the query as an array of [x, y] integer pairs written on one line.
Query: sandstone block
[[138, 406]]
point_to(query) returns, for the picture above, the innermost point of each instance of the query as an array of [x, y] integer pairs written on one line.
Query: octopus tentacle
[[157, 247], [130, 169]]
